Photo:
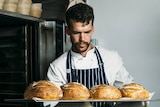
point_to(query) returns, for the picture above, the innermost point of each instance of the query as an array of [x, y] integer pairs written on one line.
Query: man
[[84, 62]]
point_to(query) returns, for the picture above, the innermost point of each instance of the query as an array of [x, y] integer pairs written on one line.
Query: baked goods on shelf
[[25, 7], [36, 10], [134, 91], [75, 91], [43, 89], [104, 91]]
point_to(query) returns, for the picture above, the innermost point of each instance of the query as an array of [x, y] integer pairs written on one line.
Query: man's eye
[[75, 32], [87, 32]]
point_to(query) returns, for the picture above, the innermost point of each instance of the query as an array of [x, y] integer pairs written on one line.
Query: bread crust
[[105, 91], [75, 91], [134, 91], [43, 89]]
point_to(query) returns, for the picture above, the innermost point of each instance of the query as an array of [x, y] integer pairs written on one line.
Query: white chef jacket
[[115, 71]]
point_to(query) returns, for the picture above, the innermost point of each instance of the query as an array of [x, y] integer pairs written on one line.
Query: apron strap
[[101, 67], [68, 62], [99, 58]]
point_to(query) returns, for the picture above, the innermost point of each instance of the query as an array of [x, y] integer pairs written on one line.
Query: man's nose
[[82, 36]]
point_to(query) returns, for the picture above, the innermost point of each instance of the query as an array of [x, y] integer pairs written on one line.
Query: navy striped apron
[[88, 77]]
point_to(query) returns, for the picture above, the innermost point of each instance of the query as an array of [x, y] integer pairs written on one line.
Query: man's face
[[80, 34]]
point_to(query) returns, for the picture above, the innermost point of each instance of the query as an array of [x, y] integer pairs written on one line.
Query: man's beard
[[78, 48]]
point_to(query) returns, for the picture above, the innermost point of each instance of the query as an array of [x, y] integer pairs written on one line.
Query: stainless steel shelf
[[13, 18]]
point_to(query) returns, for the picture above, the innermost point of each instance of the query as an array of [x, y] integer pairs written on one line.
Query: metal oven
[[27, 46]]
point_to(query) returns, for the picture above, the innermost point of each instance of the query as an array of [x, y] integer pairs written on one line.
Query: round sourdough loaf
[[134, 91], [105, 91], [43, 89], [75, 91]]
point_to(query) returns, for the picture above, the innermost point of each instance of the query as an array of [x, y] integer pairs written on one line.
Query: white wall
[[132, 27]]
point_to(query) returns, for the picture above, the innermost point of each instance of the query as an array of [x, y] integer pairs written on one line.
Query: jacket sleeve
[[122, 77], [115, 71], [57, 73]]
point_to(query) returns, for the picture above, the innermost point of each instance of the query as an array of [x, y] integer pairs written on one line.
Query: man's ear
[[67, 30], [93, 30]]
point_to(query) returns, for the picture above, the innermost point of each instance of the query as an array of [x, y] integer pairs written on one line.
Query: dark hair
[[81, 13]]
